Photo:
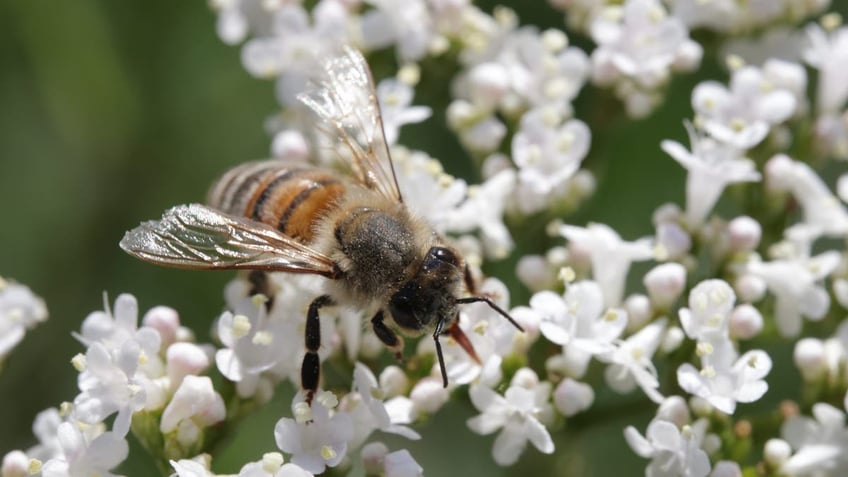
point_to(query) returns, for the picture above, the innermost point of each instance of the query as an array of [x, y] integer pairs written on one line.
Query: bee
[[353, 229]]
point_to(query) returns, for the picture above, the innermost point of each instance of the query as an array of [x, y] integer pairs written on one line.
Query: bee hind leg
[[386, 335], [310, 370]]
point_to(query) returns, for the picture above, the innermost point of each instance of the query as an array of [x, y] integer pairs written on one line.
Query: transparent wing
[[201, 238], [344, 99]]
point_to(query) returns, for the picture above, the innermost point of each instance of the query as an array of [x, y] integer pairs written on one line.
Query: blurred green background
[[110, 112]]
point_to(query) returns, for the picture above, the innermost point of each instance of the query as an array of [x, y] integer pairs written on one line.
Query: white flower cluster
[[686, 338], [20, 310]]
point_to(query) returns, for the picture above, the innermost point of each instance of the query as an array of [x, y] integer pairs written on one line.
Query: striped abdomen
[[290, 199]]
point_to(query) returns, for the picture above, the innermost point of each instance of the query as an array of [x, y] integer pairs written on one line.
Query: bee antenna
[[438, 331], [488, 301]]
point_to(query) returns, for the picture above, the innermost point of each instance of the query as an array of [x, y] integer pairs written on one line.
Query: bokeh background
[[110, 112]]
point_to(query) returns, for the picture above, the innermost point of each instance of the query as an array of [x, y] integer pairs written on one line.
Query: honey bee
[[353, 229]]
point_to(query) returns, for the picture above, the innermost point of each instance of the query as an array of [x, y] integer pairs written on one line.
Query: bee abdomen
[[290, 199]]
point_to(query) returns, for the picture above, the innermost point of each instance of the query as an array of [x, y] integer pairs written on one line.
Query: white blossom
[[711, 166], [673, 452], [724, 382], [630, 361], [20, 310], [516, 415], [820, 443], [609, 254], [318, 443], [395, 98], [87, 451], [828, 52]]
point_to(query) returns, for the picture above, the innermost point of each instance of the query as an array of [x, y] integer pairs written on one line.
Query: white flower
[[672, 452], [316, 444], [821, 443], [711, 166], [795, 281], [665, 283], [829, 54], [547, 153], [723, 382], [611, 257], [395, 98], [88, 453], [109, 383], [638, 41], [401, 464], [194, 406], [742, 114], [578, 321], [630, 362], [821, 207], [292, 45], [371, 413], [708, 315], [20, 310], [426, 188], [406, 24], [254, 343], [516, 413], [483, 209], [197, 467]]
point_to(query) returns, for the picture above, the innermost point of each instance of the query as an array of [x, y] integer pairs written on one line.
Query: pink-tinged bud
[[665, 283], [164, 320], [15, 464], [525, 378], [373, 454], [195, 401], [184, 359], [744, 234], [750, 288], [572, 397], [488, 83], [746, 322], [290, 145]]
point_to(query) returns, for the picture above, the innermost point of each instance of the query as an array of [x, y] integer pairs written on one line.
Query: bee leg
[[261, 284], [310, 370], [386, 335]]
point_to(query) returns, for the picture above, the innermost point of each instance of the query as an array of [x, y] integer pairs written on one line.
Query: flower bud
[[195, 400], [373, 455], [525, 378], [674, 241], [726, 468], [534, 273], [428, 396], [776, 452], [393, 381], [688, 56], [488, 84], [572, 397], [401, 464], [15, 464], [290, 145], [746, 322], [744, 234], [750, 288], [674, 409], [184, 359], [840, 291], [166, 321], [639, 311], [665, 283], [673, 338], [810, 358]]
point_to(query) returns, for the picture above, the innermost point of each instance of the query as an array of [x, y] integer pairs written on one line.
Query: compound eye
[[444, 255], [402, 310]]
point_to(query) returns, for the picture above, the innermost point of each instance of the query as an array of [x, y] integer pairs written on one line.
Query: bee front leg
[[386, 335], [310, 370]]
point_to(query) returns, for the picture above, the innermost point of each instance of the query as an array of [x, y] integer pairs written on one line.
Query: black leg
[[386, 335], [310, 371]]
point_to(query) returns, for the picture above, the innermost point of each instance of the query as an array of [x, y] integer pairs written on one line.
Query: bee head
[[429, 295]]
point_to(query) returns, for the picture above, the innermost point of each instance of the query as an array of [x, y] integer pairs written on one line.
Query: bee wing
[[201, 238], [344, 98]]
